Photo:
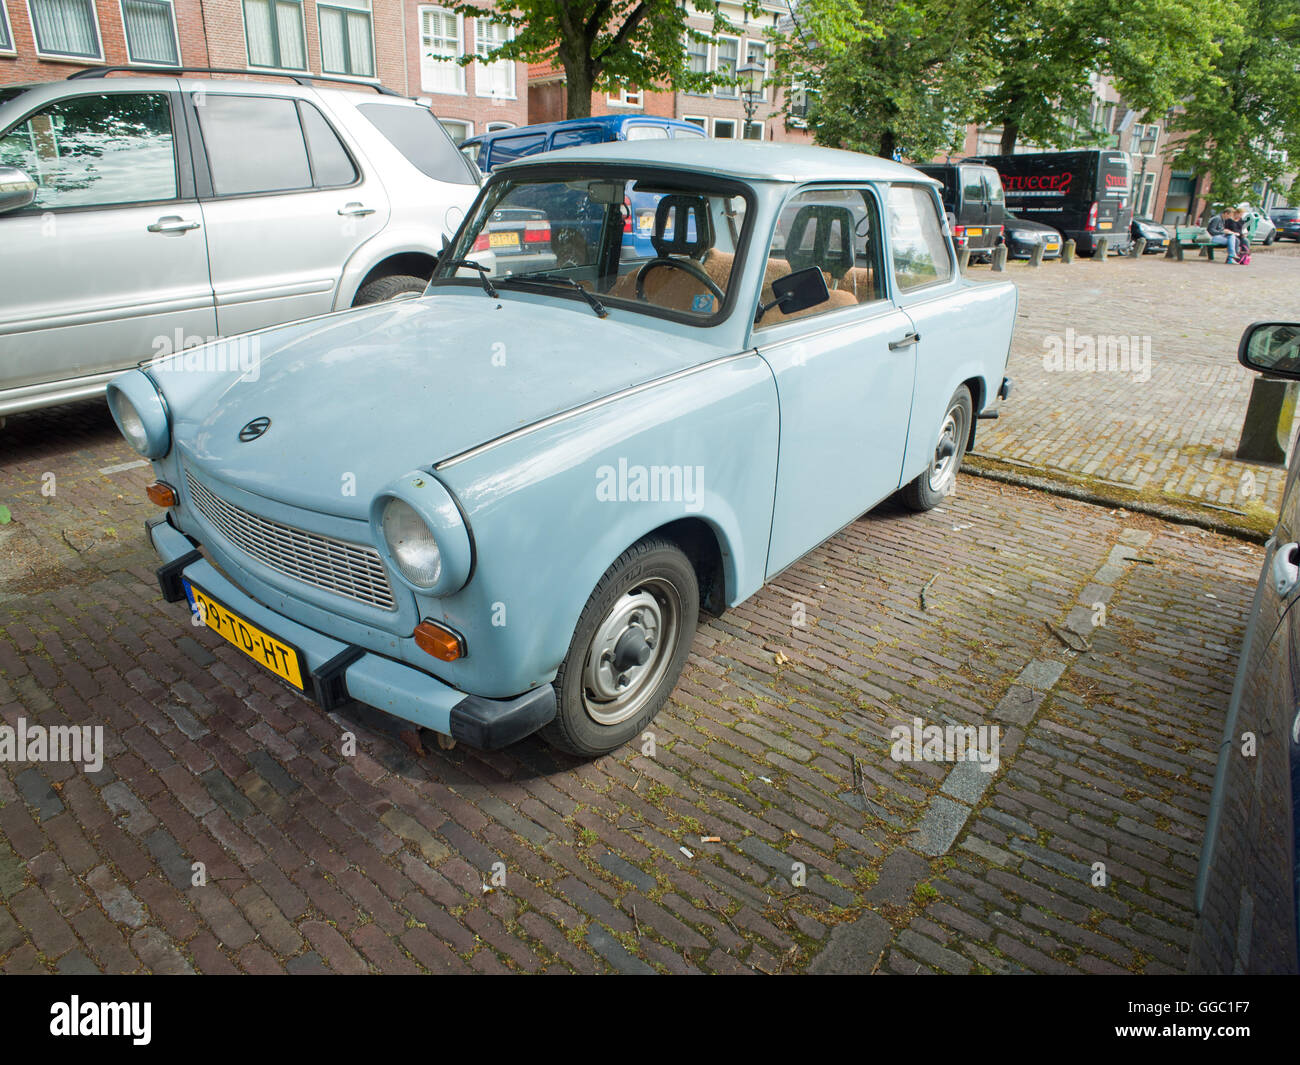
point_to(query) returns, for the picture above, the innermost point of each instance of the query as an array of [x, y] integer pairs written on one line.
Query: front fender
[[552, 509]]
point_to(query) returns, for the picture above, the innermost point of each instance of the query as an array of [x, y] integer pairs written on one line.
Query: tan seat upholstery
[[860, 280], [677, 290]]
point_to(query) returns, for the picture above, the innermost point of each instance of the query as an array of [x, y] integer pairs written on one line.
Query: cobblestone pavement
[[1171, 434], [829, 854]]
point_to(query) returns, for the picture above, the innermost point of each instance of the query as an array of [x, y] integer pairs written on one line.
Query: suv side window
[[97, 151], [254, 144], [331, 166], [836, 230], [916, 237]]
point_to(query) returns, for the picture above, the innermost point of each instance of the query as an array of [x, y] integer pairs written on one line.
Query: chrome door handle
[[904, 342], [172, 223], [1286, 569], [356, 210]]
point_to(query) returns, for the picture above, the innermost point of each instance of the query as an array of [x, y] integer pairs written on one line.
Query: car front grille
[[350, 570]]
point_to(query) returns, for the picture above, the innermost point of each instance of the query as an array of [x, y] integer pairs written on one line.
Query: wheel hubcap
[[630, 652], [944, 467]]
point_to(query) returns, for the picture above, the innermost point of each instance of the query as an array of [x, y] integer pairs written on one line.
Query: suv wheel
[[393, 287]]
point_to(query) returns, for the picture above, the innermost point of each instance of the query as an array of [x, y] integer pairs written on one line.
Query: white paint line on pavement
[[125, 466]]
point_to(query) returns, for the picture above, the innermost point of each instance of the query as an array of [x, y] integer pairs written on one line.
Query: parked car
[[514, 239], [1083, 194], [1258, 226], [547, 475], [1246, 887], [972, 194], [1021, 236], [1287, 222], [573, 230], [1156, 235], [143, 214]]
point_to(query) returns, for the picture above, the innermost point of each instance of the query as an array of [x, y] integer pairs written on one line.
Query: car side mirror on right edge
[[17, 190], [1272, 348], [797, 292]]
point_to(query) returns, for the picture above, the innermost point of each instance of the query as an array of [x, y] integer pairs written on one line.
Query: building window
[[6, 34], [66, 28], [347, 44], [275, 33], [697, 59], [150, 27], [625, 98], [697, 120], [728, 63], [753, 131], [459, 132], [724, 129], [496, 79], [797, 105], [442, 42], [492, 127], [756, 56]]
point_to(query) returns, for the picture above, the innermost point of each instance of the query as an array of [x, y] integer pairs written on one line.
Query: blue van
[[490, 150]]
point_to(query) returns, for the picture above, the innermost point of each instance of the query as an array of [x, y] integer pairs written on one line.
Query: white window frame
[[480, 67], [762, 129], [348, 5], [623, 99], [708, 61], [60, 56], [12, 47], [767, 64], [460, 50], [725, 92], [698, 120], [496, 127], [735, 125], [302, 18], [126, 40], [467, 123]]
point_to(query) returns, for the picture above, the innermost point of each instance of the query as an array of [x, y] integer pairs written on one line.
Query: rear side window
[[647, 133], [505, 149], [419, 136], [920, 250], [254, 144], [972, 188], [331, 166], [567, 138]]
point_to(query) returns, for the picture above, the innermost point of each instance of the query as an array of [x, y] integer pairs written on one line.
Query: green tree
[[606, 44], [1243, 125]]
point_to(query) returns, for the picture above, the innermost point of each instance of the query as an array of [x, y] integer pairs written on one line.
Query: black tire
[[1269, 239], [392, 287], [935, 484], [652, 570]]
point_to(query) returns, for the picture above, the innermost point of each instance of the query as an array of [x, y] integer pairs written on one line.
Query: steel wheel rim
[[944, 467], [645, 621]]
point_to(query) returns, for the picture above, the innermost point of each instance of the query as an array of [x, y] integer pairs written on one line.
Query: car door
[[844, 371], [109, 265], [285, 202], [973, 212]]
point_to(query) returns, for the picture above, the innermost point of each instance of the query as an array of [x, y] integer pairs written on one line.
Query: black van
[[972, 194], [1083, 194]]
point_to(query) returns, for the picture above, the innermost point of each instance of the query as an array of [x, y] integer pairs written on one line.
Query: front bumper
[[340, 671]]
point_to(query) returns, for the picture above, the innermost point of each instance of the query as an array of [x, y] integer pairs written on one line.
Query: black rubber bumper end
[[490, 724], [1005, 390]]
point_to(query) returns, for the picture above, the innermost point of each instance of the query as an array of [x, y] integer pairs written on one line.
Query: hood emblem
[[254, 429]]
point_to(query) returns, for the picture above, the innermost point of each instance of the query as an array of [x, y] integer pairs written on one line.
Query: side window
[[505, 149], [647, 133], [567, 138], [94, 151], [331, 166], [415, 133], [836, 230], [920, 251], [993, 187], [254, 144]]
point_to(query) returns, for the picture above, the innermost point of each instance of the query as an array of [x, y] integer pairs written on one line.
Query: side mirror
[[17, 190], [797, 292], [1272, 348]]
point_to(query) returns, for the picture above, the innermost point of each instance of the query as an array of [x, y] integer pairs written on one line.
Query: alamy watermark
[[1103, 353], [920, 742], [53, 743], [651, 484], [195, 354]]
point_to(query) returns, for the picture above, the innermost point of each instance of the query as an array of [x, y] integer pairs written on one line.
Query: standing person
[[1221, 236]]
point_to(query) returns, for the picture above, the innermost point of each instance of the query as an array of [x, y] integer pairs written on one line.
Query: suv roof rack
[[301, 79]]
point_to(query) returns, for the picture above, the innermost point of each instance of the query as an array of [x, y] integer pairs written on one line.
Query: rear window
[[415, 133]]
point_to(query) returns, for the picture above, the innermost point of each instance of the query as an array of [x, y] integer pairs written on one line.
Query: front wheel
[[940, 477], [1269, 239], [628, 650], [392, 287]]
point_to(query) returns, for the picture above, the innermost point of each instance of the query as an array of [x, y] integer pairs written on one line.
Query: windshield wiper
[[560, 279], [483, 272]]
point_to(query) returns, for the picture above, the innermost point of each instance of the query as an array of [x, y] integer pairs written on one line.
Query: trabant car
[[501, 507]]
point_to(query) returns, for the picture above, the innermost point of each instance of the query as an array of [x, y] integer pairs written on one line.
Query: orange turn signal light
[[438, 640], [162, 493]]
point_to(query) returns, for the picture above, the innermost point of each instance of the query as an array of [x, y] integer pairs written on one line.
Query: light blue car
[[500, 507]]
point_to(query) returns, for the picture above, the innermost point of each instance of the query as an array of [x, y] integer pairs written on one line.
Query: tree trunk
[[887, 144], [1010, 134], [579, 79]]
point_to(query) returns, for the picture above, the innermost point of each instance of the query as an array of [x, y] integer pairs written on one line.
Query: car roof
[[601, 121], [752, 160], [169, 80]]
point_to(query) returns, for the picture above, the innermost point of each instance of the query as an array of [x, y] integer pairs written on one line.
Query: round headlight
[[130, 422], [411, 544]]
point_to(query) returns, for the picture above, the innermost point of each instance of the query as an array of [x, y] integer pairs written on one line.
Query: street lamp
[[752, 77]]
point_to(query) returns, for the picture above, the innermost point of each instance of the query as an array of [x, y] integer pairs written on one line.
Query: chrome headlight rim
[[141, 414], [440, 514]]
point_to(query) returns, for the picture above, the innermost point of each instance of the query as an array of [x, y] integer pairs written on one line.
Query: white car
[[142, 215]]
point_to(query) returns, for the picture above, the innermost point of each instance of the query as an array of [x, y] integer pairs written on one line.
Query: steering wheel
[[686, 266]]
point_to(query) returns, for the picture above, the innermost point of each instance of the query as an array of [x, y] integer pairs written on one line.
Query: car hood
[[1023, 225], [359, 398]]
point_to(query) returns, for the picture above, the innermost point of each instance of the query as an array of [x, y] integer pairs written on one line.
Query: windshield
[[635, 239]]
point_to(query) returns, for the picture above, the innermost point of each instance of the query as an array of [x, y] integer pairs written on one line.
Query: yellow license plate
[[282, 659], [975, 232], [1103, 225], [1051, 247], [645, 221], [503, 240]]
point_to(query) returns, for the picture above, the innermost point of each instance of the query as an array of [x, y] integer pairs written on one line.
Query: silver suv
[[143, 215]]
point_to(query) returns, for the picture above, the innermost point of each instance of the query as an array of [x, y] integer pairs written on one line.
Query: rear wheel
[[392, 287], [628, 649], [940, 477], [1269, 239]]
